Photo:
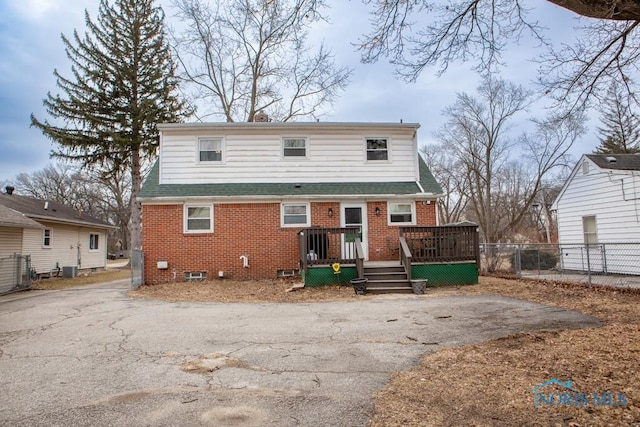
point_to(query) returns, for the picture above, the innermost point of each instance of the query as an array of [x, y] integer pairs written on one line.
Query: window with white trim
[[585, 168], [589, 230], [210, 149], [401, 213], [377, 149], [93, 241], [46, 238], [295, 215], [198, 219], [294, 147]]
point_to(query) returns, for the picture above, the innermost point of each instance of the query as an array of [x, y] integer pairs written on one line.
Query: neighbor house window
[[401, 213], [294, 147], [210, 149], [589, 230], [93, 241], [295, 215], [585, 167], [46, 238], [198, 219], [377, 149]]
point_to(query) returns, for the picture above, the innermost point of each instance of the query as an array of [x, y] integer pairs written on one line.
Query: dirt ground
[[491, 383]]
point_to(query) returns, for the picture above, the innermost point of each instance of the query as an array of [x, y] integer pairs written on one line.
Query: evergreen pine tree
[[620, 133], [123, 83]]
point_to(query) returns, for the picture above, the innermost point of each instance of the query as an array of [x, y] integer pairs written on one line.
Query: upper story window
[[401, 213], [294, 147], [46, 238], [93, 241], [295, 215], [210, 149], [377, 149], [198, 219]]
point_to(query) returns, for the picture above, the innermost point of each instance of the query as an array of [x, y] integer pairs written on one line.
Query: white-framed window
[[294, 147], [47, 235], [210, 149], [378, 149], [198, 219], [295, 215], [94, 241], [589, 230], [401, 213], [585, 168]]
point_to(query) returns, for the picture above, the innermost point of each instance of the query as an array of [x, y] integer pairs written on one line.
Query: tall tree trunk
[[136, 208]]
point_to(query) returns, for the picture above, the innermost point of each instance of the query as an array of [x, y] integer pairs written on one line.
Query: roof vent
[[611, 159], [9, 189]]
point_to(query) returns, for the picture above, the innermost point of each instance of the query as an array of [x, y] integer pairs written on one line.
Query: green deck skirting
[[436, 274], [321, 276], [446, 274]]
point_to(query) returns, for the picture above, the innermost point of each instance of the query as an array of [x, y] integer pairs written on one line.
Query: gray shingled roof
[[35, 209], [11, 218], [627, 162], [151, 188]]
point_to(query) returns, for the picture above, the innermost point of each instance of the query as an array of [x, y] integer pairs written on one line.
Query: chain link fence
[[604, 264], [15, 273], [137, 269]]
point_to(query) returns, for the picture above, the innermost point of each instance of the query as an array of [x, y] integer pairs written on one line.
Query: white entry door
[[354, 215]]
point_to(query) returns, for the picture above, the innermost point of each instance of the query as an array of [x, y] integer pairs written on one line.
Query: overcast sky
[[30, 48]]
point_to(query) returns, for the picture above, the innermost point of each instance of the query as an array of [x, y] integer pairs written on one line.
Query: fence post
[[588, 264], [517, 262]]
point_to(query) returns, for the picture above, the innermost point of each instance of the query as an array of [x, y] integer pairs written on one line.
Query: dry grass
[[491, 383], [247, 291], [91, 279]]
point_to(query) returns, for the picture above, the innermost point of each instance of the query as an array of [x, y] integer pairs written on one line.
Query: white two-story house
[[229, 199]]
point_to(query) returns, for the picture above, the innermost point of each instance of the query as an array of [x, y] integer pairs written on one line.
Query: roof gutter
[[271, 198], [66, 221]]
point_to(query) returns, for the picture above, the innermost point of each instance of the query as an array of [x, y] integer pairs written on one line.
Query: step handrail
[[359, 258], [405, 256]]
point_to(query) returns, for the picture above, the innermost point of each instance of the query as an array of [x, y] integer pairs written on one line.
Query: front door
[[354, 215]]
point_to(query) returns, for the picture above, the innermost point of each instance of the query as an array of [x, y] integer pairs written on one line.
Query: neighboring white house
[[598, 206], [65, 237], [12, 226]]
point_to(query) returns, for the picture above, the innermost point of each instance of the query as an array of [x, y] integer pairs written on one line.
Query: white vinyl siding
[[600, 195], [198, 219], [10, 241], [294, 148], [401, 213], [332, 156], [295, 215], [69, 247]]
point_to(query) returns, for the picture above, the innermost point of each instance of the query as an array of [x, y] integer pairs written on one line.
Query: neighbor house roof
[[152, 189], [37, 209], [627, 162], [261, 126], [11, 218]]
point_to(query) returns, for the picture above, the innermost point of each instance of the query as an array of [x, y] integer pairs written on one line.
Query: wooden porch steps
[[387, 279]]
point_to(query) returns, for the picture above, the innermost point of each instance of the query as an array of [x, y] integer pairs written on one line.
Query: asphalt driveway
[[95, 357]]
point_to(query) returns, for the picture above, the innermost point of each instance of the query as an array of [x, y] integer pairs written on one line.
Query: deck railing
[[322, 246], [447, 243]]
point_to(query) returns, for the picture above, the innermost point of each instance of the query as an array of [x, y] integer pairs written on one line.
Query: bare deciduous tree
[[501, 189], [445, 167], [248, 56], [606, 48]]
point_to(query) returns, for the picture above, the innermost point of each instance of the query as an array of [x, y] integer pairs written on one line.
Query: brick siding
[[251, 229]]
